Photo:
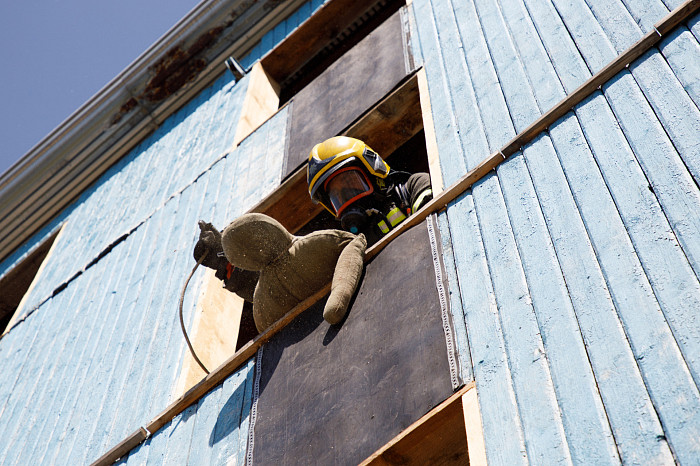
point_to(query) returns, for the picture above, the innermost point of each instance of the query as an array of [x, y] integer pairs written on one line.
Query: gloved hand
[[210, 239]]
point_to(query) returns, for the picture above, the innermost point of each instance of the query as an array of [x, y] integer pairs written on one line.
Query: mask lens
[[347, 186]]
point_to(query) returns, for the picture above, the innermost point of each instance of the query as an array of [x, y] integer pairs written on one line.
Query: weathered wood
[[345, 378], [439, 437], [475, 432], [627, 269], [344, 91], [261, 101], [438, 203], [528, 83], [312, 36], [123, 448], [679, 48]]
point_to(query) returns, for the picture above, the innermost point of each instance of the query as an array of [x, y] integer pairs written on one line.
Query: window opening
[[19, 281], [411, 156], [351, 31], [323, 38]]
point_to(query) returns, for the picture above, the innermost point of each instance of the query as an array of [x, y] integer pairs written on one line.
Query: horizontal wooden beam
[[438, 203], [439, 437]]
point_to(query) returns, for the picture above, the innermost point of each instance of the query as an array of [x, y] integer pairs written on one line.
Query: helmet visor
[[346, 186]]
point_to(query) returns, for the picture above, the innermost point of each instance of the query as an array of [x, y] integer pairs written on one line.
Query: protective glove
[[210, 239]]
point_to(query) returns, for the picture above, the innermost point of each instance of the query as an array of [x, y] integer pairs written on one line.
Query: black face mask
[[354, 218]]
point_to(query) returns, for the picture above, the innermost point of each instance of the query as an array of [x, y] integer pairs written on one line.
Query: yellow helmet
[[332, 155]]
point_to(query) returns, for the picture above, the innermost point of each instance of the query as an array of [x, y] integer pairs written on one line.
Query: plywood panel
[[345, 90], [368, 379]]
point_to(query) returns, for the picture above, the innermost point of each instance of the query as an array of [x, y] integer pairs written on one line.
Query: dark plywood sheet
[[334, 395], [347, 89]]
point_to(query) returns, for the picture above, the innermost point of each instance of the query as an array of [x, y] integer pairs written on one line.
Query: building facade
[[552, 298]]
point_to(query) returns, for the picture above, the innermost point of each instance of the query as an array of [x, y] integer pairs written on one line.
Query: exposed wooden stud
[[260, 103], [439, 437], [475, 431], [430, 136], [385, 127]]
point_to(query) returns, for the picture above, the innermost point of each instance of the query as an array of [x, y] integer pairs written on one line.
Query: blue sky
[[55, 55]]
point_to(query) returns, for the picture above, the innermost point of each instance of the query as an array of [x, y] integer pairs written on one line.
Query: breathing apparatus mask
[[348, 191]]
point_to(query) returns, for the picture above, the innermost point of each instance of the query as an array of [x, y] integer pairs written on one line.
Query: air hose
[[182, 322]]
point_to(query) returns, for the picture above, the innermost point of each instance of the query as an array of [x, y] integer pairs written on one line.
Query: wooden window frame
[[449, 433]]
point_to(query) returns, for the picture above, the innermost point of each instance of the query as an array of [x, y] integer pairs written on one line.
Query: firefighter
[[357, 186]]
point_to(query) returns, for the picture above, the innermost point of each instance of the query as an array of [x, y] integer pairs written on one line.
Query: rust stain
[[177, 68], [181, 64]]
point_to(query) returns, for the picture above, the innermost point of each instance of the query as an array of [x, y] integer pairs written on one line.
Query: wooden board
[[439, 437], [369, 379], [343, 92], [313, 36]]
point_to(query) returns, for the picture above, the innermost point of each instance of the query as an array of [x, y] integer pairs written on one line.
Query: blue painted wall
[[89, 364], [577, 259], [573, 267]]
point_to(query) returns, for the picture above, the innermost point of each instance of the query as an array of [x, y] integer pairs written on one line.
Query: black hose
[[182, 322]]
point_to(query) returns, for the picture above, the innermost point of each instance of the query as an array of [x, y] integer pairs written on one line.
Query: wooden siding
[[577, 259], [101, 356]]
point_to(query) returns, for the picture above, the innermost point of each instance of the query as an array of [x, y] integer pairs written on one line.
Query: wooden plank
[[475, 433], [451, 156], [312, 36], [230, 431], [680, 48], [430, 136], [670, 100], [658, 82], [261, 101], [655, 249], [50, 435], [439, 437], [611, 357], [123, 448], [179, 441], [456, 306], [542, 423], [574, 382]]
